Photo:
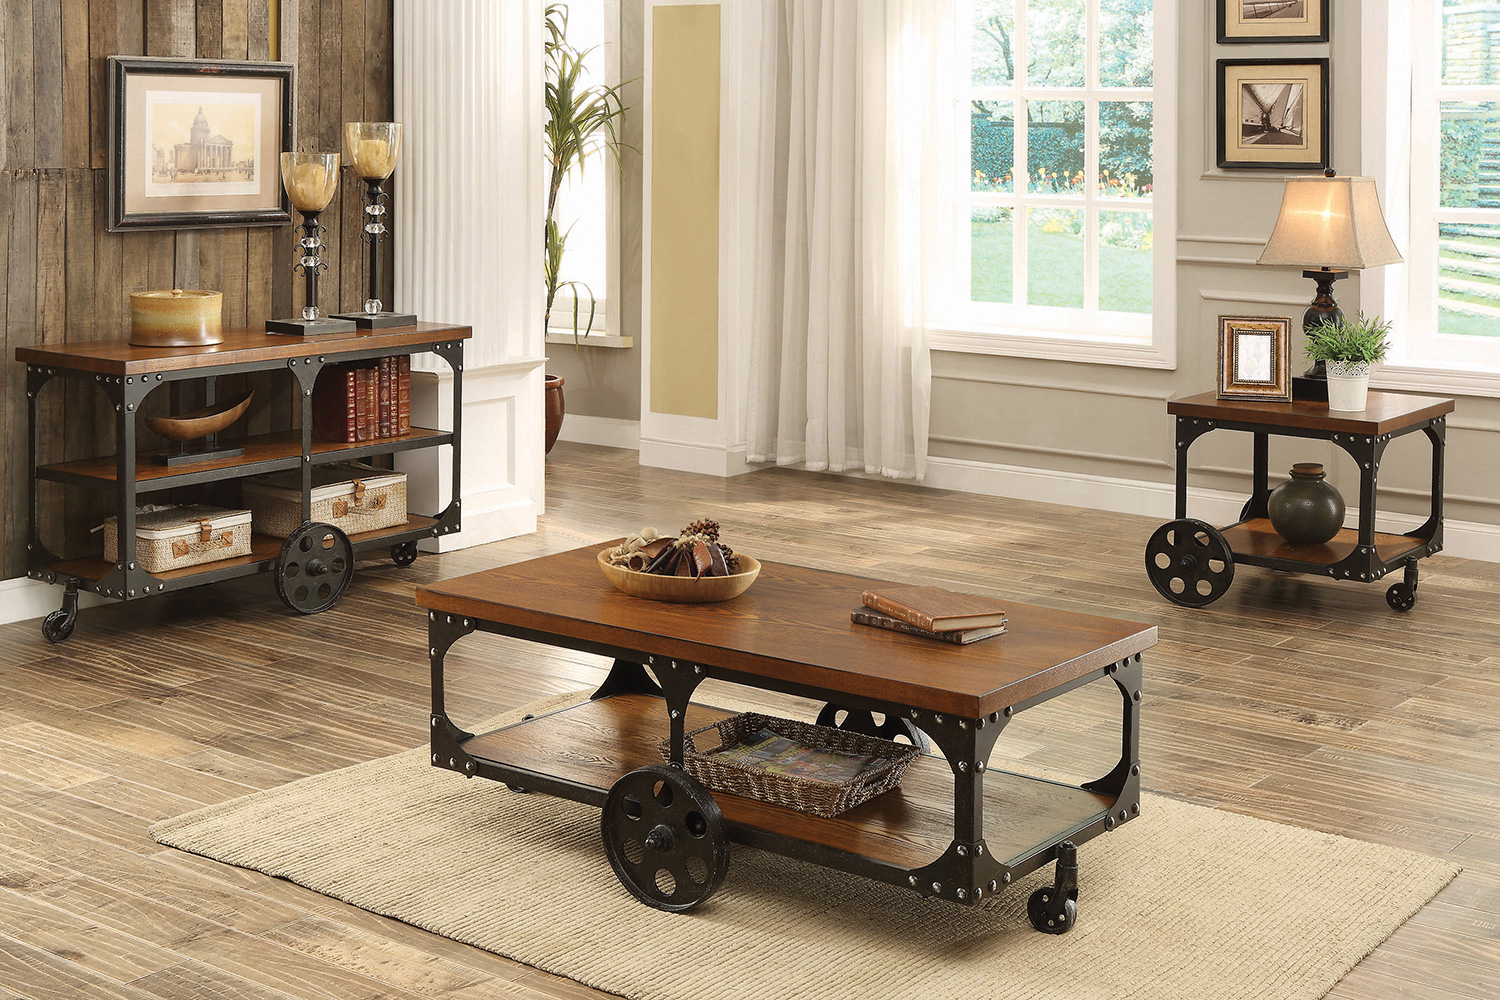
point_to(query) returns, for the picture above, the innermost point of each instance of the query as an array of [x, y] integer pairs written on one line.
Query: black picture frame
[[268, 208], [1325, 12], [1321, 156]]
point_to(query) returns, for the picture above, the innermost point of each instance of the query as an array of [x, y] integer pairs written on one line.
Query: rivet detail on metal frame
[[911, 880], [963, 851], [437, 720], [1005, 877], [962, 894], [937, 887], [434, 758]]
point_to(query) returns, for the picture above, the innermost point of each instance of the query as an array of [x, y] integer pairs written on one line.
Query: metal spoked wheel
[[405, 554], [665, 838], [1189, 562], [314, 568], [858, 720]]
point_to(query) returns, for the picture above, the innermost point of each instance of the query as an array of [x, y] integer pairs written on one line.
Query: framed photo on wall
[[1273, 114], [197, 143], [1243, 22], [1255, 358]]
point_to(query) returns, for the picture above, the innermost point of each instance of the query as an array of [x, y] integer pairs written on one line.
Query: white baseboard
[[23, 598], [609, 432], [686, 457], [1464, 539]]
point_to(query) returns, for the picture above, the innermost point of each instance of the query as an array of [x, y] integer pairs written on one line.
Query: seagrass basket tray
[[350, 496], [809, 795], [174, 537]]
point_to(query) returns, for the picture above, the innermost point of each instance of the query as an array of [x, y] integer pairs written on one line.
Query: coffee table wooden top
[[1384, 412], [793, 626]]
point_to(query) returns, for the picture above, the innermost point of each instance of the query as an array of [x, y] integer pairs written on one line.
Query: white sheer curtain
[[856, 138]]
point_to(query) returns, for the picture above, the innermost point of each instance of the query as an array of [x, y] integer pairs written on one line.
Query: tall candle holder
[[310, 180], [373, 149]]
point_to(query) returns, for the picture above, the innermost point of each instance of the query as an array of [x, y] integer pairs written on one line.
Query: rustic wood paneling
[[64, 277]]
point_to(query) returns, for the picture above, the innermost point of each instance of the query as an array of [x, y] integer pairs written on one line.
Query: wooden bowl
[[176, 318], [682, 589], [201, 423]]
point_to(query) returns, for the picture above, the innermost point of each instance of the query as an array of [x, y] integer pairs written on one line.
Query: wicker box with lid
[[170, 538], [351, 496]]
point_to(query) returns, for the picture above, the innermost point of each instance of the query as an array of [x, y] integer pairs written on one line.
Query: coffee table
[[955, 829]]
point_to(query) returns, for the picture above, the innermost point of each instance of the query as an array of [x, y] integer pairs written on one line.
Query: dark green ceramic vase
[[1306, 510]]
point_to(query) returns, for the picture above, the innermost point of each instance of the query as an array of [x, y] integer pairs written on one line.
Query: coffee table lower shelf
[[579, 752]]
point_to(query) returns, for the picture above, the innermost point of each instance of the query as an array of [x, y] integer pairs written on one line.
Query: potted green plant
[[1348, 348], [581, 121]]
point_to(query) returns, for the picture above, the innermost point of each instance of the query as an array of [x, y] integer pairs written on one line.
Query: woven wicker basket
[[350, 495], [807, 795], [169, 538]]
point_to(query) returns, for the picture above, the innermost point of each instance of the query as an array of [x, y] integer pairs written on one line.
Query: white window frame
[[1086, 335], [1402, 52]]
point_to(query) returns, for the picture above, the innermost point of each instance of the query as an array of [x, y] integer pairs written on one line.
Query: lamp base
[[320, 327], [377, 320], [1308, 389]]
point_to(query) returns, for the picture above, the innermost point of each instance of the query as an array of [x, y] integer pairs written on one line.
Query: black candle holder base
[[320, 327], [378, 320]]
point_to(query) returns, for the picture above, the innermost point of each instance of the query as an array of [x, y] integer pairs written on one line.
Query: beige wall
[[1111, 421]]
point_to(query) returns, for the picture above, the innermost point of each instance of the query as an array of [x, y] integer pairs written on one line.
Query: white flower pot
[[1348, 384]]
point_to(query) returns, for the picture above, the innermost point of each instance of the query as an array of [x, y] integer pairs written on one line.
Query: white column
[[468, 214]]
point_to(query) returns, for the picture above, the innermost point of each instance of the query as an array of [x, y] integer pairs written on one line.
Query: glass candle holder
[[373, 148], [310, 180]]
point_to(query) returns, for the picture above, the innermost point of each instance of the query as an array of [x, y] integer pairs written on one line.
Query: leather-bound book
[[935, 609], [333, 405], [403, 395], [383, 396], [959, 637]]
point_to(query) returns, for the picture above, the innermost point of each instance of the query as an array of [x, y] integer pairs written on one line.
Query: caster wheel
[[1189, 562], [314, 568], [519, 790], [858, 720], [58, 625], [1045, 913], [665, 838], [1400, 597], [405, 554]]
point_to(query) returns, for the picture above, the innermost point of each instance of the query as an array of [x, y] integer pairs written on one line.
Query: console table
[[957, 828], [1199, 559], [128, 374]]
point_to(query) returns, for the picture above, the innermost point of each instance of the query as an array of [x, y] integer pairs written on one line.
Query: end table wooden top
[[1384, 412], [793, 626]]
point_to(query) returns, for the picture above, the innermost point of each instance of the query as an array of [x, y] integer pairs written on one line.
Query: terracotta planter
[[553, 408]]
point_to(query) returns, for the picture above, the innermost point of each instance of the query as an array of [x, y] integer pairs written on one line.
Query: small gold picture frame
[[1255, 358]]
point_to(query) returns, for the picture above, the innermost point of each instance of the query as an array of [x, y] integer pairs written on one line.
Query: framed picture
[[1273, 114], [1255, 358], [197, 143], [1243, 22]]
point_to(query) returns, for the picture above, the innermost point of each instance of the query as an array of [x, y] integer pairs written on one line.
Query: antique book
[[935, 609], [383, 397], [362, 404], [403, 395], [959, 637], [372, 415], [333, 405]]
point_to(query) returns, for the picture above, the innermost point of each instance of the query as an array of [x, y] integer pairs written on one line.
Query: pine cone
[[730, 559], [707, 527]]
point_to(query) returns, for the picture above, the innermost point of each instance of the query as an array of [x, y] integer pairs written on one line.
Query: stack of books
[[932, 613], [363, 401]]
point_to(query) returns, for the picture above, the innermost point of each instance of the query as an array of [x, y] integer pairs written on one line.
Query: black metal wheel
[[665, 838], [1051, 912], [1400, 597], [58, 625], [404, 554], [1189, 562], [314, 568], [857, 720]]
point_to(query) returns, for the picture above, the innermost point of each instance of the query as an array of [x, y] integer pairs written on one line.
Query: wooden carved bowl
[[201, 423], [682, 589]]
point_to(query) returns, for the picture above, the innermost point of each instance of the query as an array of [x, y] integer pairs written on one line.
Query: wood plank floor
[[1294, 699]]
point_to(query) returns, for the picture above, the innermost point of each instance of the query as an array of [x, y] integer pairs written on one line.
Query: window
[[1453, 280], [1061, 248]]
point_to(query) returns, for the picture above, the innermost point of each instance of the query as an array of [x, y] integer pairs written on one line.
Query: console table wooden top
[[251, 345], [793, 626]]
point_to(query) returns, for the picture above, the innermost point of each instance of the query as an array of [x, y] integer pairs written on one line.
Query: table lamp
[[1328, 225], [310, 180], [373, 150]]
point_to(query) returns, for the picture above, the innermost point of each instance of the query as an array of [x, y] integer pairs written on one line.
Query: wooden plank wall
[[65, 278]]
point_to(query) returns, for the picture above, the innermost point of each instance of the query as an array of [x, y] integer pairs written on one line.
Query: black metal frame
[[1224, 124], [1363, 563], [126, 580], [966, 870], [1227, 39]]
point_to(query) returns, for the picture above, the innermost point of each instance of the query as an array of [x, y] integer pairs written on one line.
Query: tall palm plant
[[581, 120]]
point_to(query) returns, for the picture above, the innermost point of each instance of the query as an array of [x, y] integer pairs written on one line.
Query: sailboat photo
[[1272, 114]]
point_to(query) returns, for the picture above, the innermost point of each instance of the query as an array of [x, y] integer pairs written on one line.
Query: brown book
[[403, 395], [383, 397], [935, 609], [333, 405], [362, 404], [372, 415], [959, 637]]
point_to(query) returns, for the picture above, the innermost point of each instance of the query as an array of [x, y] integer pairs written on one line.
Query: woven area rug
[[1189, 902]]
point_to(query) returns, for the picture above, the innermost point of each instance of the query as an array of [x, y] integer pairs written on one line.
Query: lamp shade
[[1330, 222]]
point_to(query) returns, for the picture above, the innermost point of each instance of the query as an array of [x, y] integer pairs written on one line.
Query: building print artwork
[[202, 147], [1272, 114]]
